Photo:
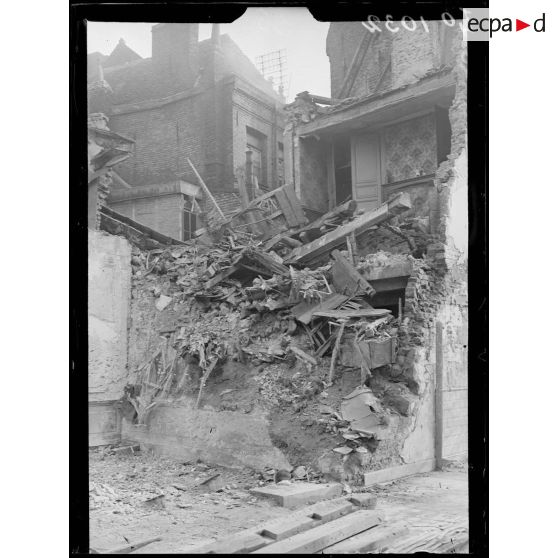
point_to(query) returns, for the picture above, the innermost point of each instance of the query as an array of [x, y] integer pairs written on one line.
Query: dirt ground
[[188, 515]]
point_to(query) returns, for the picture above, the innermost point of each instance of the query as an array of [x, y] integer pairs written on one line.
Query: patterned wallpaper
[[410, 149]]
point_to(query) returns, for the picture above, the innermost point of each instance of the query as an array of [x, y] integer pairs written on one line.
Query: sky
[[258, 31]]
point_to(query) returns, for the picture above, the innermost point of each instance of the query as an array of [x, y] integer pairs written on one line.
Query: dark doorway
[[342, 165]]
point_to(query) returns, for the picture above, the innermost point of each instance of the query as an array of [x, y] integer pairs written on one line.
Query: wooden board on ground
[[369, 541], [325, 535], [263, 534], [299, 493]]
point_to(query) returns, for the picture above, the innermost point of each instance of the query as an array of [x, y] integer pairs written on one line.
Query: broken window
[[280, 164], [189, 215], [256, 142], [342, 164]]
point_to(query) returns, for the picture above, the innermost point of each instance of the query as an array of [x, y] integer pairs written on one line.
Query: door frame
[[378, 133]]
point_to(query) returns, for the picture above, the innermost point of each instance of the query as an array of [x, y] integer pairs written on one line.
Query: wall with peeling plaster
[[109, 284]]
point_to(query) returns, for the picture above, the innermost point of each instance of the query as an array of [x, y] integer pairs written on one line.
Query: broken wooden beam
[[321, 246], [346, 279], [335, 351], [206, 190], [346, 314], [303, 311], [131, 547], [369, 541], [304, 356]]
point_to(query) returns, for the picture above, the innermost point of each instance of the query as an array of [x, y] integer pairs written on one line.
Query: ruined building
[[274, 342], [396, 123], [199, 100]]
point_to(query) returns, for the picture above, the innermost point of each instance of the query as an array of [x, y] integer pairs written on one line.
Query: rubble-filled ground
[[124, 507]]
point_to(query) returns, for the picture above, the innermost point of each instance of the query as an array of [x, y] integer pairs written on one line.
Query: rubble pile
[[281, 305]]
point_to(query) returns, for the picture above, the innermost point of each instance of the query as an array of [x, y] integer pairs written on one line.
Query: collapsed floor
[[248, 357]]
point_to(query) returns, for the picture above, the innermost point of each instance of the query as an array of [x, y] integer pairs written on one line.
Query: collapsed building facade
[[273, 339], [194, 101]]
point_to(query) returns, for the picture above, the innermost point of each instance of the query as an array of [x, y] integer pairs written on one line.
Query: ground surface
[[191, 515]]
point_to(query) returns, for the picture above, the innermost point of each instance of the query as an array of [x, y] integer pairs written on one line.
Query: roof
[[122, 54], [137, 80], [436, 88]]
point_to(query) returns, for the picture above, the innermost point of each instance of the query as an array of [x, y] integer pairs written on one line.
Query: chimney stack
[[216, 34], [175, 51]]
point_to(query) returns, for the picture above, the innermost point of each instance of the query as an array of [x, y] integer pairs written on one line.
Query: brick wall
[[412, 54], [342, 42], [164, 137], [162, 213], [249, 109], [208, 127], [175, 52]]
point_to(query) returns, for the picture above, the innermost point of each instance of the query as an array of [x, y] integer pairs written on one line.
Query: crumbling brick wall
[[410, 54], [436, 292]]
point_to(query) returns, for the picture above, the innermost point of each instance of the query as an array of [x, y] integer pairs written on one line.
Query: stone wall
[[109, 287], [227, 438]]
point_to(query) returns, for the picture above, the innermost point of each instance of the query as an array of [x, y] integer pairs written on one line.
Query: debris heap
[[269, 293]]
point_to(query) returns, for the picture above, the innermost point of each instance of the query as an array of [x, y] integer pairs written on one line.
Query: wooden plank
[[129, 548], [206, 190], [439, 399], [392, 473], [287, 527], [328, 511], [303, 310], [330, 168], [285, 206], [304, 356], [318, 513], [221, 276], [337, 214], [325, 535], [369, 541], [346, 314], [298, 494], [241, 543], [346, 279], [329, 241], [296, 206]]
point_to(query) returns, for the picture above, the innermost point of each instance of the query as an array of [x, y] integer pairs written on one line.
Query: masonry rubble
[[239, 293], [328, 320]]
